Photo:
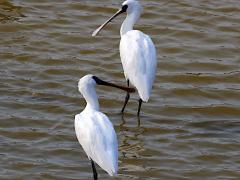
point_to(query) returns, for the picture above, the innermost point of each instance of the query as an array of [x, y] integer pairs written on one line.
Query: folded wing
[[98, 138], [138, 56]]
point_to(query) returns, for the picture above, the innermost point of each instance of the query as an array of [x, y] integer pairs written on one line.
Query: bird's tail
[[144, 89], [110, 164]]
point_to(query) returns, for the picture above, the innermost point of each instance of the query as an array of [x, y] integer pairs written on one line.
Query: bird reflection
[[123, 121], [130, 141]]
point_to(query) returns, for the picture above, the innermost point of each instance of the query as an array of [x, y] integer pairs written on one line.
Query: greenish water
[[190, 128]]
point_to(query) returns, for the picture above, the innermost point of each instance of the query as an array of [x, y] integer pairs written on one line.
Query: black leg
[[139, 121], [126, 98], [139, 106], [95, 175], [126, 101]]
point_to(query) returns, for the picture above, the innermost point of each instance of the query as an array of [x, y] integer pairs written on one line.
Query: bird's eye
[[124, 8]]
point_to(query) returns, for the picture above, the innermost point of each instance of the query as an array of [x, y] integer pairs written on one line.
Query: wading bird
[[137, 51], [94, 130]]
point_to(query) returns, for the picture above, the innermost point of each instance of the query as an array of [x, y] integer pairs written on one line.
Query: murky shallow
[[190, 129]]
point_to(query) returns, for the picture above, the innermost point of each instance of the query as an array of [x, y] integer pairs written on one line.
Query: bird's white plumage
[[98, 139], [94, 130], [138, 53], [138, 56]]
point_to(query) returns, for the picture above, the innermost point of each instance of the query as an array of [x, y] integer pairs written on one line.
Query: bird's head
[[86, 82], [89, 81], [128, 6]]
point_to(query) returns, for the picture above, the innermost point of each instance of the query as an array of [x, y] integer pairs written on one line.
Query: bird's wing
[[98, 138], [138, 56]]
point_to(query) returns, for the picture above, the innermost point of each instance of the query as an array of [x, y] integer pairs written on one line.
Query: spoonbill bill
[[94, 130], [137, 52]]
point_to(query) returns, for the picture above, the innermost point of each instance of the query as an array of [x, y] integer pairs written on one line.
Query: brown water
[[190, 128]]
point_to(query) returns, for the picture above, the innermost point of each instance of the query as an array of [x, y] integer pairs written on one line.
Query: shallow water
[[190, 128]]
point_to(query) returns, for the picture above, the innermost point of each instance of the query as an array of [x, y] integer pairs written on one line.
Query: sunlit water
[[190, 128]]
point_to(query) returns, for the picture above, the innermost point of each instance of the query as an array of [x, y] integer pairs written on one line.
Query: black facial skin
[[124, 8], [99, 81]]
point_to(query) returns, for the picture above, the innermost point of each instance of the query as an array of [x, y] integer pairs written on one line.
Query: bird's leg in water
[[126, 98], [95, 175], [139, 121], [139, 106]]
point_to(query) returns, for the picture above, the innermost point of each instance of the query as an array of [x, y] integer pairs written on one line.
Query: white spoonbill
[[137, 51], [94, 130]]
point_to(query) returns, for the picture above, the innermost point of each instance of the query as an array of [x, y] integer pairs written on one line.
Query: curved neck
[[129, 22], [91, 98]]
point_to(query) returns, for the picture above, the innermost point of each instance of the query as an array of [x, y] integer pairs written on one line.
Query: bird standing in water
[[137, 51], [94, 130]]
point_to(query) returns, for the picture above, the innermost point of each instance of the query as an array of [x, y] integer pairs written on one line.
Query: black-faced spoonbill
[[137, 51], [94, 130]]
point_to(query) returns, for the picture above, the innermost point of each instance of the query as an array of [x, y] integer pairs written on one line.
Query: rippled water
[[190, 129]]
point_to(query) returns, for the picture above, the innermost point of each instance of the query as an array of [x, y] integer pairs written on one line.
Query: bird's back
[[98, 138], [138, 56]]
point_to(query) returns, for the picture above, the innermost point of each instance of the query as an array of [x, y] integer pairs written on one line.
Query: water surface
[[190, 128]]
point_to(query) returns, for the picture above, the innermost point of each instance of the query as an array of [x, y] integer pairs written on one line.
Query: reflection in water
[[131, 148], [130, 142], [190, 127], [138, 120], [9, 12]]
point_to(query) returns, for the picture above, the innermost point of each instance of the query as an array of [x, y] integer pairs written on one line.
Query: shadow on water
[[9, 12]]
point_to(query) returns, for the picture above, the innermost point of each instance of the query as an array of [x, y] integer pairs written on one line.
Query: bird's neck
[[94, 106], [91, 98], [129, 22]]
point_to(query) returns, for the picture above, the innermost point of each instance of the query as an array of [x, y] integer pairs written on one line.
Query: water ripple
[[190, 127]]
